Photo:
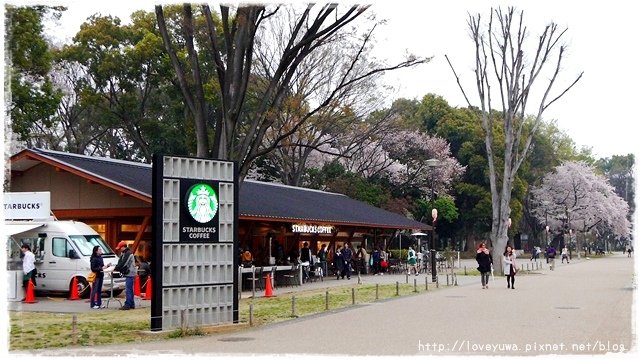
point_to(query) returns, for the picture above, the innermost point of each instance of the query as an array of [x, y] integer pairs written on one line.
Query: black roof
[[269, 201]]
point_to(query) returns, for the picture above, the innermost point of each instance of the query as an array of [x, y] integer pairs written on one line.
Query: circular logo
[[202, 203]]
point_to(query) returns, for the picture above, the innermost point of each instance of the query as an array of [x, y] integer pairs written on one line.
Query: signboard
[[195, 233], [27, 205], [199, 217], [311, 229]]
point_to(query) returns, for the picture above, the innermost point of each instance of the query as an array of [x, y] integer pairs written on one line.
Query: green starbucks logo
[[202, 203]]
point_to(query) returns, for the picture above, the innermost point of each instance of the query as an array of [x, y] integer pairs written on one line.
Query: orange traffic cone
[[136, 286], [73, 295], [30, 297], [147, 294], [268, 291]]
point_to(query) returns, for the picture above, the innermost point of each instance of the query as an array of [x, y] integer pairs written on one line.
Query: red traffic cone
[[268, 291], [73, 295], [147, 294], [136, 286], [30, 297]]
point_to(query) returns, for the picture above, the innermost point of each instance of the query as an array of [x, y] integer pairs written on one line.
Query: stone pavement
[[585, 307]]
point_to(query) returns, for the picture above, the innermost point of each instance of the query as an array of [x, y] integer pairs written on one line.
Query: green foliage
[[33, 97]]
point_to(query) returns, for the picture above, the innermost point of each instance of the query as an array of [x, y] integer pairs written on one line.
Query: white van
[[62, 250]]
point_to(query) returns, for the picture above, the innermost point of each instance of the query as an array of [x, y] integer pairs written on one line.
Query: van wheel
[[84, 290]]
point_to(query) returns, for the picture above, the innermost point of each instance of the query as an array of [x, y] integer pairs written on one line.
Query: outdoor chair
[[292, 277], [257, 277]]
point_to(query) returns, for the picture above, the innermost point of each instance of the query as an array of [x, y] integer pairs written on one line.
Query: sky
[[600, 41]]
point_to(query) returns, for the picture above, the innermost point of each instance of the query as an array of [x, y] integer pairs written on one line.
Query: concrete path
[[585, 307]]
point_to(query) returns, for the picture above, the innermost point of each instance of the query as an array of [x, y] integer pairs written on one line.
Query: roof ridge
[[292, 187], [92, 157]]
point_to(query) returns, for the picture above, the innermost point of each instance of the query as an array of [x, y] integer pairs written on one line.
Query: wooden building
[[114, 197]]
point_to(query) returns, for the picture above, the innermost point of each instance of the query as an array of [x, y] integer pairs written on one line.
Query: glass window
[[86, 243], [60, 247]]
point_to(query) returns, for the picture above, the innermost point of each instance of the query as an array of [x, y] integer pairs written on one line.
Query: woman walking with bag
[[509, 266], [484, 259]]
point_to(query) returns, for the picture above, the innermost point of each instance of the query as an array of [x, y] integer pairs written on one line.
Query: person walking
[[509, 266], [565, 254], [551, 257], [28, 266], [97, 266], [375, 261], [322, 258], [484, 259], [347, 255], [126, 266], [412, 261]]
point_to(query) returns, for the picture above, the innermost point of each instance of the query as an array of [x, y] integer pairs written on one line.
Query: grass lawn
[[37, 330]]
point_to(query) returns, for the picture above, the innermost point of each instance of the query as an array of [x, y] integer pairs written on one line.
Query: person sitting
[[247, 258]]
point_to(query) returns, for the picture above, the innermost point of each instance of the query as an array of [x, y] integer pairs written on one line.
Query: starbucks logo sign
[[202, 203]]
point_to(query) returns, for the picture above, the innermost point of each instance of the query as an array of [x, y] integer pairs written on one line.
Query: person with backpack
[[127, 267], [551, 257]]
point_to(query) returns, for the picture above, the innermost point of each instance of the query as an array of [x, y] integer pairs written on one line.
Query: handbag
[[91, 277]]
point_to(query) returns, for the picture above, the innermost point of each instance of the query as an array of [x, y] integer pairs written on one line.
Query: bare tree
[[239, 133], [500, 60]]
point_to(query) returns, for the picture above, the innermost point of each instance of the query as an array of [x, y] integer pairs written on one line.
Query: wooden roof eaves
[[98, 180]]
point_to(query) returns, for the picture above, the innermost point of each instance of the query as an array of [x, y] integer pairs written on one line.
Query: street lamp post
[[432, 163]]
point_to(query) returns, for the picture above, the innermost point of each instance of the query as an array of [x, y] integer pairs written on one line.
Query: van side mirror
[[73, 254]]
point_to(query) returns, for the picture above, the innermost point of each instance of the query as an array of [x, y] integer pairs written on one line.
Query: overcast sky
[[601, 39]]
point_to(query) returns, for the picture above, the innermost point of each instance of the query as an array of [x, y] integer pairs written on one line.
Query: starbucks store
[[114, 198]]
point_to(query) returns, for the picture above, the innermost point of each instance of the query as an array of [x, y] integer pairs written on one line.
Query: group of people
[[485, 265], [126, 265], [510, 269]]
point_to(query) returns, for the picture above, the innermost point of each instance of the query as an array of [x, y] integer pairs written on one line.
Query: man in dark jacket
[[347, 255]]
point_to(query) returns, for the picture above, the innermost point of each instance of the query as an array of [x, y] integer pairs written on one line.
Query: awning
[[12, 229]]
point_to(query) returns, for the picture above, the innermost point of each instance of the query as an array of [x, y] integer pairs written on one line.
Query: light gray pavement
[[585, 307]]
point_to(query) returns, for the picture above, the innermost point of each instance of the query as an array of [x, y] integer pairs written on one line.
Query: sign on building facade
[[195, 226]]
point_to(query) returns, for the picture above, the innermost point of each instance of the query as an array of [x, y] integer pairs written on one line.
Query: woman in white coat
[[509, 266]]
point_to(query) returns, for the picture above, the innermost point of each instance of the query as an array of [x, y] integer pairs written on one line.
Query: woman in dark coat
[[484, 259], [97, 266]]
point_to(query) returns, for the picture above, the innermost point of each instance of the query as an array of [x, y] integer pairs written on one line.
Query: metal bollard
[[426, 283], [353, 296], [456, 280], [415, 285], [406, 280], [74, 329], [377, 287], [447, 279], [397, 288], [465, 270], [250, 314], [293, 306], [437, 282], [326, 300]]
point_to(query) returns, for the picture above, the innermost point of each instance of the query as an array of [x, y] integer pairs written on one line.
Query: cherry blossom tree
[[401, 157], [575, 197]]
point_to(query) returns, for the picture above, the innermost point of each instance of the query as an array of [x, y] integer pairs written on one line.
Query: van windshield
[[86, 243]]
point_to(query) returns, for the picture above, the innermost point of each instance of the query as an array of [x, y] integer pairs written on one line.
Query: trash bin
[[15, 291]]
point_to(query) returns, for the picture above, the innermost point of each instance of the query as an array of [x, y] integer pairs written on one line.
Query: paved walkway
[[581, 308]]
